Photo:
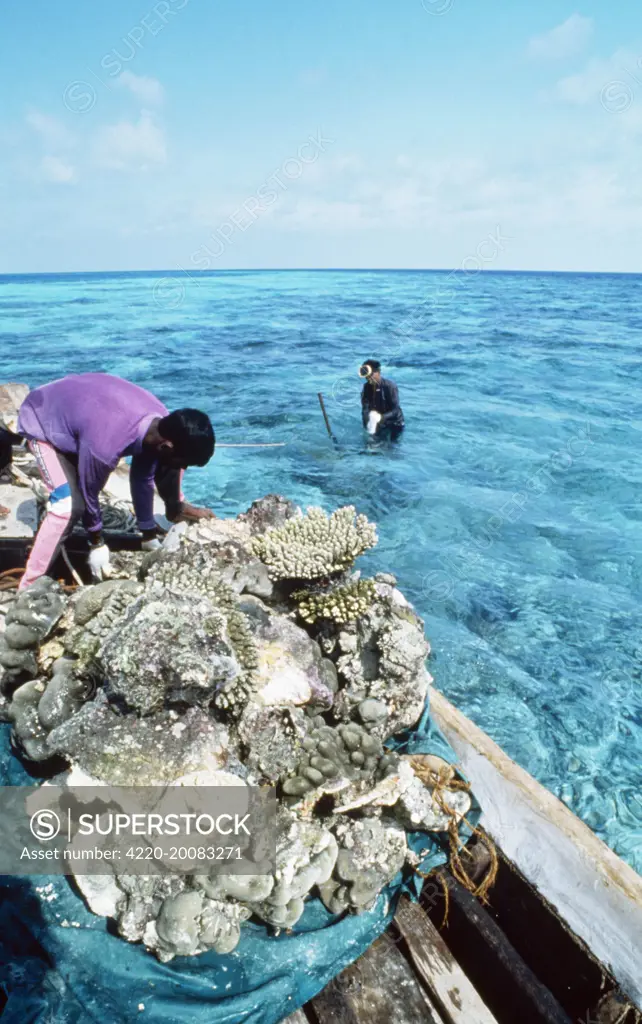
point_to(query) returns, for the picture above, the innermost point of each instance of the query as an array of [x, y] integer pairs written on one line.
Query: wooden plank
[[507, 985], [449, 987], [379, 988]]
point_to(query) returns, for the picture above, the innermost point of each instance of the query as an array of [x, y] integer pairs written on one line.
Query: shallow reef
[[245, 651]]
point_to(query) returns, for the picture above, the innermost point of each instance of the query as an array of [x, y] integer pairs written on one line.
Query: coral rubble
[[246, 650]]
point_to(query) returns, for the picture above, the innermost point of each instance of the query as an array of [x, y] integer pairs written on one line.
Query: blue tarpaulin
[[61, 964]]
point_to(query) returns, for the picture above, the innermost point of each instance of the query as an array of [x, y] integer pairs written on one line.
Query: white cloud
[[148, 90], [57, 170], [569, 199], [52, 131], [594, 192], [130, 145], [564, 40], [590, 84]]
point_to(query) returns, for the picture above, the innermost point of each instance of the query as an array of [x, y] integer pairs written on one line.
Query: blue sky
[[213, 134]]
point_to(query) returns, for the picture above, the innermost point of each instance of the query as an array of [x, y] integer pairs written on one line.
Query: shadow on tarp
[[60, 964]]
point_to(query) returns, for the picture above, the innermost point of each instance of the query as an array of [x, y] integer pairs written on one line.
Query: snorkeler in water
[[380, 409]]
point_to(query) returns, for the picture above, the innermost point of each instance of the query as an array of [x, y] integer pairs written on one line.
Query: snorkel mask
[[365, 371]]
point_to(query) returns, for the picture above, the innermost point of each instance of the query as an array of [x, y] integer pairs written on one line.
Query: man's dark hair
[[191, 434], [374, 363]]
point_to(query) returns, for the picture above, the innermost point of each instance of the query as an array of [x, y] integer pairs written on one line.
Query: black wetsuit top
[[383, 397]]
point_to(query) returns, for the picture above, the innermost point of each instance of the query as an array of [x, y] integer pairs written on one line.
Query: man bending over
[[79, 428]]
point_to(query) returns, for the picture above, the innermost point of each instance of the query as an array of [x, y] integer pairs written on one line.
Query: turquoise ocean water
[[510, 510]]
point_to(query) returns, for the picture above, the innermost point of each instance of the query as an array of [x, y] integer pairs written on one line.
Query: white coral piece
[[315, 545]]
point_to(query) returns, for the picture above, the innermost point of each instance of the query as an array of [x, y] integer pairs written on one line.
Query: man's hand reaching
[[99, 564], [190, 513]]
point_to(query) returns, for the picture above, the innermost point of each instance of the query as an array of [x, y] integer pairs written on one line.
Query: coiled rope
[[441, 781]]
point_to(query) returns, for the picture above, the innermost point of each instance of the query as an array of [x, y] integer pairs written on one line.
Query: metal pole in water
[[325, 416]]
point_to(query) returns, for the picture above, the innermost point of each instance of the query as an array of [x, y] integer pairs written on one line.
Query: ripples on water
[[510, 509]]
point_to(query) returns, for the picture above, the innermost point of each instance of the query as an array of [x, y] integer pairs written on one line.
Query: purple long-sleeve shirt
[[99, 418]]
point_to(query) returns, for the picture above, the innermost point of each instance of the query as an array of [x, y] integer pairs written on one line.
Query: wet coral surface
[[199, 662]]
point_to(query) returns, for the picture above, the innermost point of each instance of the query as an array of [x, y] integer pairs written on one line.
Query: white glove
[[373, 421], [99, 562], [151, 545]]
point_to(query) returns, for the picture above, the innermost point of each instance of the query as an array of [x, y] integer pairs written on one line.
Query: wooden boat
[[560, 939]]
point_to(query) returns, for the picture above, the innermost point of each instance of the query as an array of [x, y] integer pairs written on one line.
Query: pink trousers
[[57, 521]]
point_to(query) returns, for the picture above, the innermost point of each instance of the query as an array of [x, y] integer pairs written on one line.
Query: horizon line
[[177, 272]]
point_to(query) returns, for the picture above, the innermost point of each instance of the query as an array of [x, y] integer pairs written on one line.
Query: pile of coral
[[250, 651]]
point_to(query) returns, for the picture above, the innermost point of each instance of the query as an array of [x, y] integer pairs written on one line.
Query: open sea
[[510, 510]]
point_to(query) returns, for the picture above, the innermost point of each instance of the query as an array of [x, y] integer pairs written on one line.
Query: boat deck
[[511, 962]]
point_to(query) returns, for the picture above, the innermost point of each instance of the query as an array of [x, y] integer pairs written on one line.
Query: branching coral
[[342, 604], [315, 545]]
